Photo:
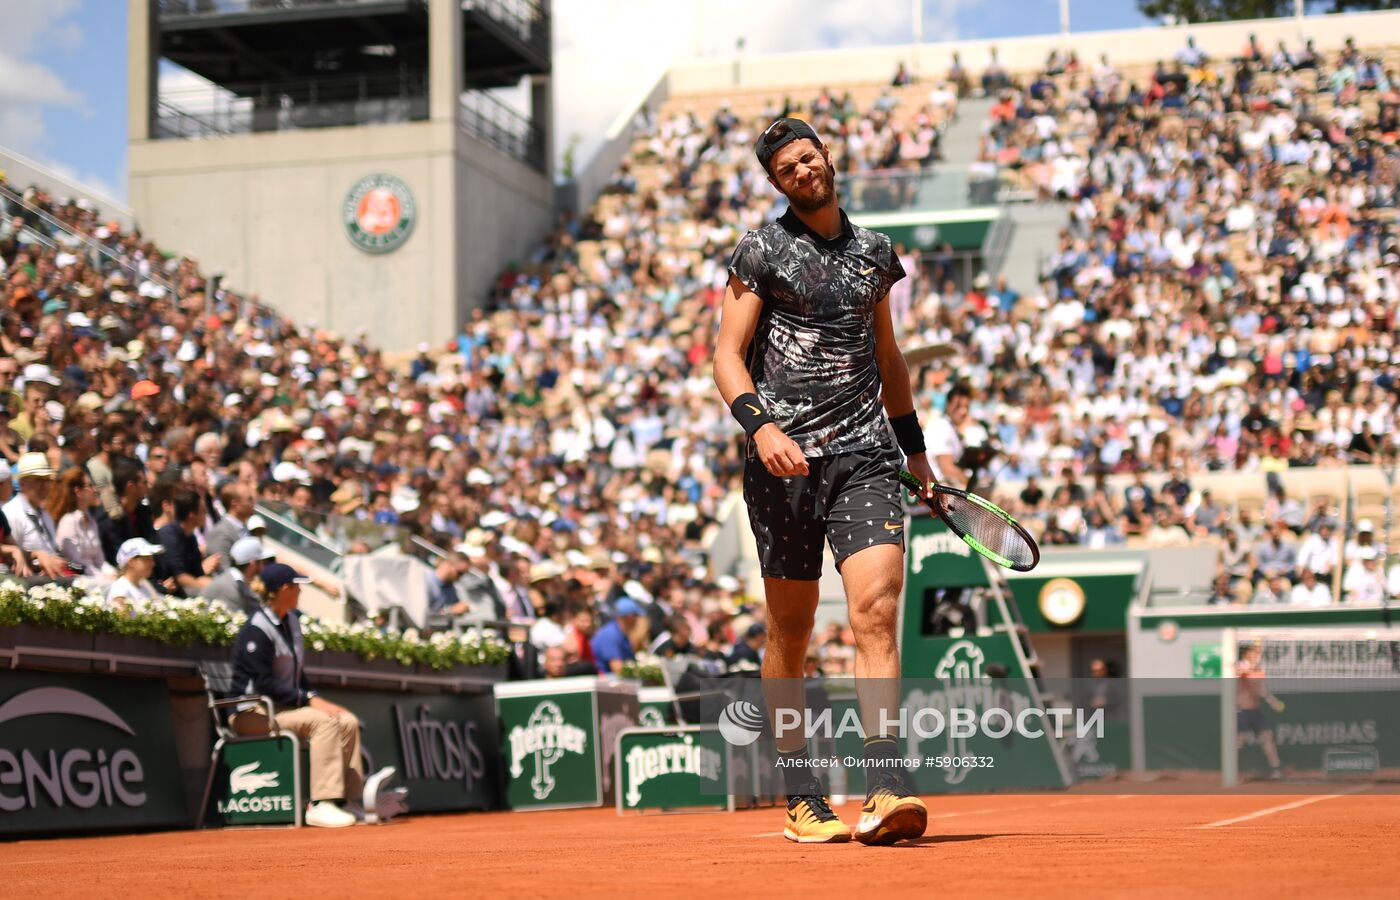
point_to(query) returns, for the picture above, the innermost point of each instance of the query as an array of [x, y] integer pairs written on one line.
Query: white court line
[[1271, 810]]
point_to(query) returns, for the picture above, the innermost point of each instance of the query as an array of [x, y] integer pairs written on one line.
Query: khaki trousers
[[334, 742]]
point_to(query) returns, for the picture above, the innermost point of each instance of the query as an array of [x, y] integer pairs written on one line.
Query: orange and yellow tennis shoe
[[890, 814], [811, 821]]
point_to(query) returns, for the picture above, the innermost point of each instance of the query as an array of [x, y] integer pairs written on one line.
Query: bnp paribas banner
[[81, 753], [557, 738]]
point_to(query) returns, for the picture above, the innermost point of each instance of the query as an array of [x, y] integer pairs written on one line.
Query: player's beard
[[815, 196]]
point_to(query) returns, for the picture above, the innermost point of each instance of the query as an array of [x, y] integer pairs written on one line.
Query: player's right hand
[[779, 453]]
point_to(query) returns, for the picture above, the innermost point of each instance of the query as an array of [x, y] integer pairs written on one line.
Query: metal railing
[[998, 241], [173, 9], [292, 105], [96, 249], [936, 187], [284, 527], [514, 134], [525, 18]]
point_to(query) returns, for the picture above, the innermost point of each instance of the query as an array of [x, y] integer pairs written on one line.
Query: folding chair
[[265, 800], [673, 675]]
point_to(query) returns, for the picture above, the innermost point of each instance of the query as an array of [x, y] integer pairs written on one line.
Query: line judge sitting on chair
[[269, 659]]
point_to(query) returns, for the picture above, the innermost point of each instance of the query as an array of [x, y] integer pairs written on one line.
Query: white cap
[[404, 500], [255, 522], [287, 470], [1365, 525], [137, 547], [248, 549]]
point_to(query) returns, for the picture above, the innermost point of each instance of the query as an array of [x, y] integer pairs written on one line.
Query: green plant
[[181, 623], [645, 669]]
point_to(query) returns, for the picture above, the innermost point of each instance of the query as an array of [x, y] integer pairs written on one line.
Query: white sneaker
[[326, 814]]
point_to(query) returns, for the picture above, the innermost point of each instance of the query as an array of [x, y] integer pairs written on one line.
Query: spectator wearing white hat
[[33, 528], [136, 561], [1362, 583], [1365, 537], [231, 587]]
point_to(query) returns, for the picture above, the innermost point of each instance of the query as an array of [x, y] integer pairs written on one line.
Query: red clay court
[[1055, 845]]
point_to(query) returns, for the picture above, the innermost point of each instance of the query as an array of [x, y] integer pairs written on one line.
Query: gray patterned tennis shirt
[[812, 358]]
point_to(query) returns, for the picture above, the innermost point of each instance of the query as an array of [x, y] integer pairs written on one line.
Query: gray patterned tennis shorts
[[850, 499]]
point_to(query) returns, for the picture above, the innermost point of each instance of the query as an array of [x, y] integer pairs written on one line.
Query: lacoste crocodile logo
[[247, 779]]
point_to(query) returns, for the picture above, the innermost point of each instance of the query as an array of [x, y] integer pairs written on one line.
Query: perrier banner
[[557, 739], [672, 768]]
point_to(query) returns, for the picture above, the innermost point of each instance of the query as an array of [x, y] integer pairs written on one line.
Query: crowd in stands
[[1223, 299]]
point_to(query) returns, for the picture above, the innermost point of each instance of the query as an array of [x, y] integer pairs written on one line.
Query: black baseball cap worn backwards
[[778, 135]]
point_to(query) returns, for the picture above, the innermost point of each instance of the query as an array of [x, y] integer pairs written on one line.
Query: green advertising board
[[443, 745], [959, 677], [657, 707], [557, 737], [681, 767], [1079, 596], [258, 782], [84, 753], [927, 230]]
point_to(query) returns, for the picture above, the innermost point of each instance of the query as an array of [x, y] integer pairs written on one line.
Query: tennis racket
[[983, 526]]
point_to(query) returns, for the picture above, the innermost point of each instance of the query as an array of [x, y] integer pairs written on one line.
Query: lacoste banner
[[558, 737], [675, 768], [80, 753], [443, 745], [256, 783]]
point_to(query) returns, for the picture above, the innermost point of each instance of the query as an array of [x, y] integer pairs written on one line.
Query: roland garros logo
[[546, 737], [379, 213]]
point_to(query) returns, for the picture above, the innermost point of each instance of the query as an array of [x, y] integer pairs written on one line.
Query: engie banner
[[82, 753]]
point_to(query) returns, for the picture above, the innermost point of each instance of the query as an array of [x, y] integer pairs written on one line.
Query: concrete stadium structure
[[259, 177]]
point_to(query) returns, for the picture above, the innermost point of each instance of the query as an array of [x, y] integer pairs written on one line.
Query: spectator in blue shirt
[[611, 645]]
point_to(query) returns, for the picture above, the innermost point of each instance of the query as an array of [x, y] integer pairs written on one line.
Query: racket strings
[[988, 529]]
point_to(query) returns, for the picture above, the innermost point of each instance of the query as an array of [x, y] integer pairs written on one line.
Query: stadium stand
[[1219, 314]]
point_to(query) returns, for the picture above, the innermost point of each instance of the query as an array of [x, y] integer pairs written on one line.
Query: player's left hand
[[1276, 703]]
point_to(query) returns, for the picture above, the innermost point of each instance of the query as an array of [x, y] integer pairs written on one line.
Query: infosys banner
[[81, 753], [443, 745]]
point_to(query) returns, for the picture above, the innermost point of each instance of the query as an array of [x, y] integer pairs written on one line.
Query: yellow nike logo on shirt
[[890, 526], [865, 272], [754, 409]]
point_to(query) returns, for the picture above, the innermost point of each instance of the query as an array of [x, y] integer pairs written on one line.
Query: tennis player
[[807, 361], [1251, 692]]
